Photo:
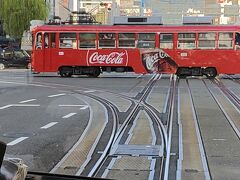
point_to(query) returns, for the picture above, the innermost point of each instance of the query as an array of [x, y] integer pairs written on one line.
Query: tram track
[[116, 133], [138, 103], [201, 146], [152, 111], [234, 101], [214, 119], [231, 96], [138, 106], [166, 136]]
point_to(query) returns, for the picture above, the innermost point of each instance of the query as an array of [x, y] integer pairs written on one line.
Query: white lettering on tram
[[112, 58], [151, 60]]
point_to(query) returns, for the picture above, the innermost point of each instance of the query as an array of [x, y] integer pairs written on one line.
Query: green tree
[[17, 14]]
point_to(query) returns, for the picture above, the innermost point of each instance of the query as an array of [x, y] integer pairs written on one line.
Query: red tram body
[[91, 49]]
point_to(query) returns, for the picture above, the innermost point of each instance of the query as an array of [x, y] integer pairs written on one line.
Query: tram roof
[[137, 28]]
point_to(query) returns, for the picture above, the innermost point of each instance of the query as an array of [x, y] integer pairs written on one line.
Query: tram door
[[38, 53], [47, 49]]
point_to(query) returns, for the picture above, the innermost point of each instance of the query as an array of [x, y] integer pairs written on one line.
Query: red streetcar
[[91, 49]]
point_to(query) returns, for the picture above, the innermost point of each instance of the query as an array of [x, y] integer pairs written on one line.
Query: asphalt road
[[42, 117]]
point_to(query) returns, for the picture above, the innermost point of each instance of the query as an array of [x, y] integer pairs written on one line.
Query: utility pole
[[141, 8], [53, 8]]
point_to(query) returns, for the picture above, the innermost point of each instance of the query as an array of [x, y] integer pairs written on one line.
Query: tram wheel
[[65, 74], [180, 74], [96, 72], [210, 72]]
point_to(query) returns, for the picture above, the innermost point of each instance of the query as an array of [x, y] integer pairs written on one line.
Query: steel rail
[[138, 102], [107, 148], [229, 97], [200, 139], [169, 127], [162, 131], [116, 134], [232, 97]]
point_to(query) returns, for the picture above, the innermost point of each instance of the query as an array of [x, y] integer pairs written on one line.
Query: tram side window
[[87, 40], [38, 41], [46, 42], [207, 40], [107, 40], [225, 40], [237, 40], [126, 40], [146, 40], [166, 41], [53, 40], [186, 41], [68, 40]]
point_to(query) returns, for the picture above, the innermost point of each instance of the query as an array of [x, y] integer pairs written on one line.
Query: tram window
[[46, 41], [146, 40], [207, 40], [38, 41], [126, 40], [225, 40], [87, 40], [237, 41], [68, 40], [107, 40], [186, 41], [53, 40], [166, 41]]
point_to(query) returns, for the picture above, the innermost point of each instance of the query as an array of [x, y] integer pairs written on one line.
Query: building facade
[[171, 11]]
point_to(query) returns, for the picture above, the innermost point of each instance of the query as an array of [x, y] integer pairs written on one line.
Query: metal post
[[141, 8], [75, 5], [113, 12], [53, 8]]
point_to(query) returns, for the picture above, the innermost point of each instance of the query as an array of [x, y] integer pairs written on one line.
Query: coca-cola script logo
[[151, 59], [112, 58]]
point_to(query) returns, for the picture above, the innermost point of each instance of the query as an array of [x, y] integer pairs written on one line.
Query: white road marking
[[7, 106], [71, 105], [85, 107], [56, 95], [89, 91], [219, 139], [16, 141], [74, 105], [26, 105], [30, 100], [19, 105], [69, 115], [49, 125]]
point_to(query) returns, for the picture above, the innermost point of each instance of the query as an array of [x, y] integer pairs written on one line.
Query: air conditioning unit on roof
[[197, 20], [137, 20]]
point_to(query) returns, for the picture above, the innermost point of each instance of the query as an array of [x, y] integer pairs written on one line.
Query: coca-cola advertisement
[[118, 57], [158, 61]]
